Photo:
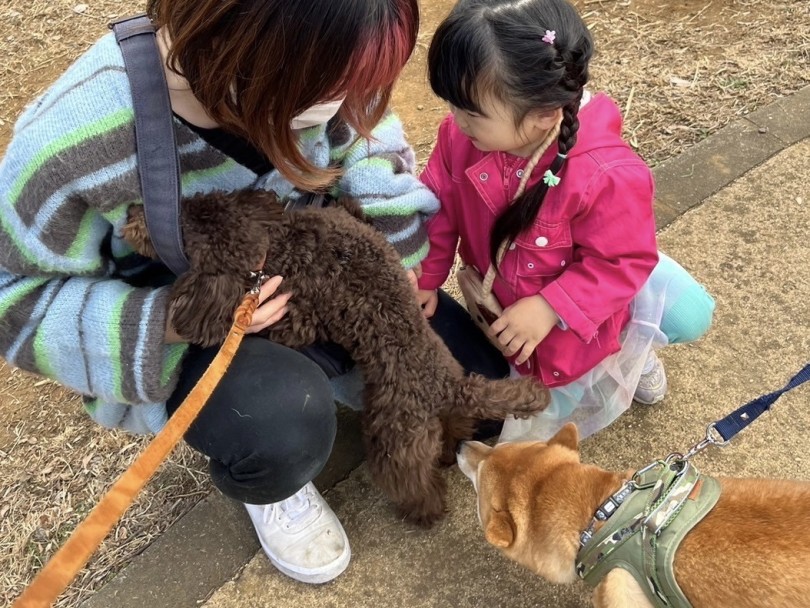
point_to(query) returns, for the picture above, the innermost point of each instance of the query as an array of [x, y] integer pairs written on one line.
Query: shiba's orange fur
[[750, 551]]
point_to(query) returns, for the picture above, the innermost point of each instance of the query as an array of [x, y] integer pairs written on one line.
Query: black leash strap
[[158, 161]]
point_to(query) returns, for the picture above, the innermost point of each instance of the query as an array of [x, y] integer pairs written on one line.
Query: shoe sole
[[315, 578], [658, 399]]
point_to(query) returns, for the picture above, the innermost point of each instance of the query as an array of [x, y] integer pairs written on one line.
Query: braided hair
[[501, 48]]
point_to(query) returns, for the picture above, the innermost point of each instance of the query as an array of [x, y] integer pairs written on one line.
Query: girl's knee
[[689, 317], [688, 307]]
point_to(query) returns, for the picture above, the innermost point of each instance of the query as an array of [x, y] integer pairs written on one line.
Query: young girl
[[276, 94], [536, 183]]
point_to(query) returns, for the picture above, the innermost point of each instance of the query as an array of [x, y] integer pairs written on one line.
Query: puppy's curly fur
[[348, 287]]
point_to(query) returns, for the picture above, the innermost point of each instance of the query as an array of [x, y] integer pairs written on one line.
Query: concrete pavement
[[734, 211]]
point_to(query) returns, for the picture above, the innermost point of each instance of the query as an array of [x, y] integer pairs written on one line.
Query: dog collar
[[644, 522]]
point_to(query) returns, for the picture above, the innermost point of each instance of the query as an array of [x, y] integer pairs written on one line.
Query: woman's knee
[[467, 343], [270, 424]]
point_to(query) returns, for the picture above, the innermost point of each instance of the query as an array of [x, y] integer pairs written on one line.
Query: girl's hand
[[428, 300], [270, 310], [523, 326]]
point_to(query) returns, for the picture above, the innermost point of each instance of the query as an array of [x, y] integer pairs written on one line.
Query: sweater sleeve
[[99, 337], [62, 314], [380, 174]]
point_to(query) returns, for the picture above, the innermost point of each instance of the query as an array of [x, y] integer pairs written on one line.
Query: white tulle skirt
[[600, 396]]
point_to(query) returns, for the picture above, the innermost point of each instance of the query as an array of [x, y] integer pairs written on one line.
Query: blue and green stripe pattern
[[69, 305]]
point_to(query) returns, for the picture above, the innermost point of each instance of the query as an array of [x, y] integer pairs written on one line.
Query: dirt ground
[[679, 69]]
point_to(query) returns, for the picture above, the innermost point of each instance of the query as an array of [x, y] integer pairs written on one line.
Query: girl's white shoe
[[652, 386]]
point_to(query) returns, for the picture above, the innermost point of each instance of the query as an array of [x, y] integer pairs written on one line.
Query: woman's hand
[[523, 326], [270, 310], [428, 300]]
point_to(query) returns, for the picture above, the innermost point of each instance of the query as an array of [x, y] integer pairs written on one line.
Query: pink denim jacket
[[589, 252]]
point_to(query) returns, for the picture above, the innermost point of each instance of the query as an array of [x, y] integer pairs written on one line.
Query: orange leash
[[63, 567]]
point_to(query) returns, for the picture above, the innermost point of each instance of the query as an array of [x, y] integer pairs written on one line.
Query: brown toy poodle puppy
[[348, 287]]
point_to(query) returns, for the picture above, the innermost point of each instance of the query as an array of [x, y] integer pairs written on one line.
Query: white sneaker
[[302, 536], [652, 386]]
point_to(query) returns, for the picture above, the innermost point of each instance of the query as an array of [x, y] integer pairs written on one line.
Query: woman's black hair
[[496, 47]]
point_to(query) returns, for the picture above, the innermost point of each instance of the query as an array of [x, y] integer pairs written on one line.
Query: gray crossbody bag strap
[[158, 161]]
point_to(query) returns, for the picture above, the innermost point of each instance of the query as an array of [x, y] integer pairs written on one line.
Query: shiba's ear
[[136, 234], [567, 436], [470, 455], [500, 530]]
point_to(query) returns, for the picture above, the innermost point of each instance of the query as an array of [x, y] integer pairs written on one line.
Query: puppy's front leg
[[619, 590]]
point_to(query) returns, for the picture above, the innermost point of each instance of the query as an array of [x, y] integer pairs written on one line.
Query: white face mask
[[318, 114]]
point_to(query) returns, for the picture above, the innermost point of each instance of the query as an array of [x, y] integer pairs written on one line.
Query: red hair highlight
[[256, 64]]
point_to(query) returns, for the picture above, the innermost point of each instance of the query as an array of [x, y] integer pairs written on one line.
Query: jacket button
[[562, 263], [483, 177], [512, 247], [519, 173], [530, 265], [541, 241], [556, 374]]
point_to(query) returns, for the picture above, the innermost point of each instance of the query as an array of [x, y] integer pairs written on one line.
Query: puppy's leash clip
[[258, 277], [244, 313]]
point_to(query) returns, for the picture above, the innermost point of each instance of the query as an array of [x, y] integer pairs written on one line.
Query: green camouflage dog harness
[[645, 521]]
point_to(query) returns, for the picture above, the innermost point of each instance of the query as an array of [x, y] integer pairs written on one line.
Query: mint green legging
[[688, 308]]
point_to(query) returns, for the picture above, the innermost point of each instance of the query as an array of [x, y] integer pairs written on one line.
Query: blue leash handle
[[737, 420]]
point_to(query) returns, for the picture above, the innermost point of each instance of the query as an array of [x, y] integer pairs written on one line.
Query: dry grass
[[680, 77], [54, 466], [679, 69]]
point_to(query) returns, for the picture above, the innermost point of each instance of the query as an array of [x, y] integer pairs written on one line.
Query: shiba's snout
[[469, 457]]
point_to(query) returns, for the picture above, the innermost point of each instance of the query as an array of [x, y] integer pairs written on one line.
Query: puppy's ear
[[203, 305], [136, 234], [353, 207], [500, 530], [567, 436], [265, 211]]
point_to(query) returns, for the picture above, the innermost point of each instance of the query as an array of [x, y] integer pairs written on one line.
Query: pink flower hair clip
[[549, 37]]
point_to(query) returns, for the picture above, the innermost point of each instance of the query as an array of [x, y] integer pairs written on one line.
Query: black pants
[[270, 424]]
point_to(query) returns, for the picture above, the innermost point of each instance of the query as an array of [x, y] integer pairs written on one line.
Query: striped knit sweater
[[73, 303]]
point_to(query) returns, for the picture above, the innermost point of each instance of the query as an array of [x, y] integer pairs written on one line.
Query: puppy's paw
[[529, 409]]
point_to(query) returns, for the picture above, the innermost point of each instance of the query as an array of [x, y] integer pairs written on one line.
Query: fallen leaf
[[679, 82]]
